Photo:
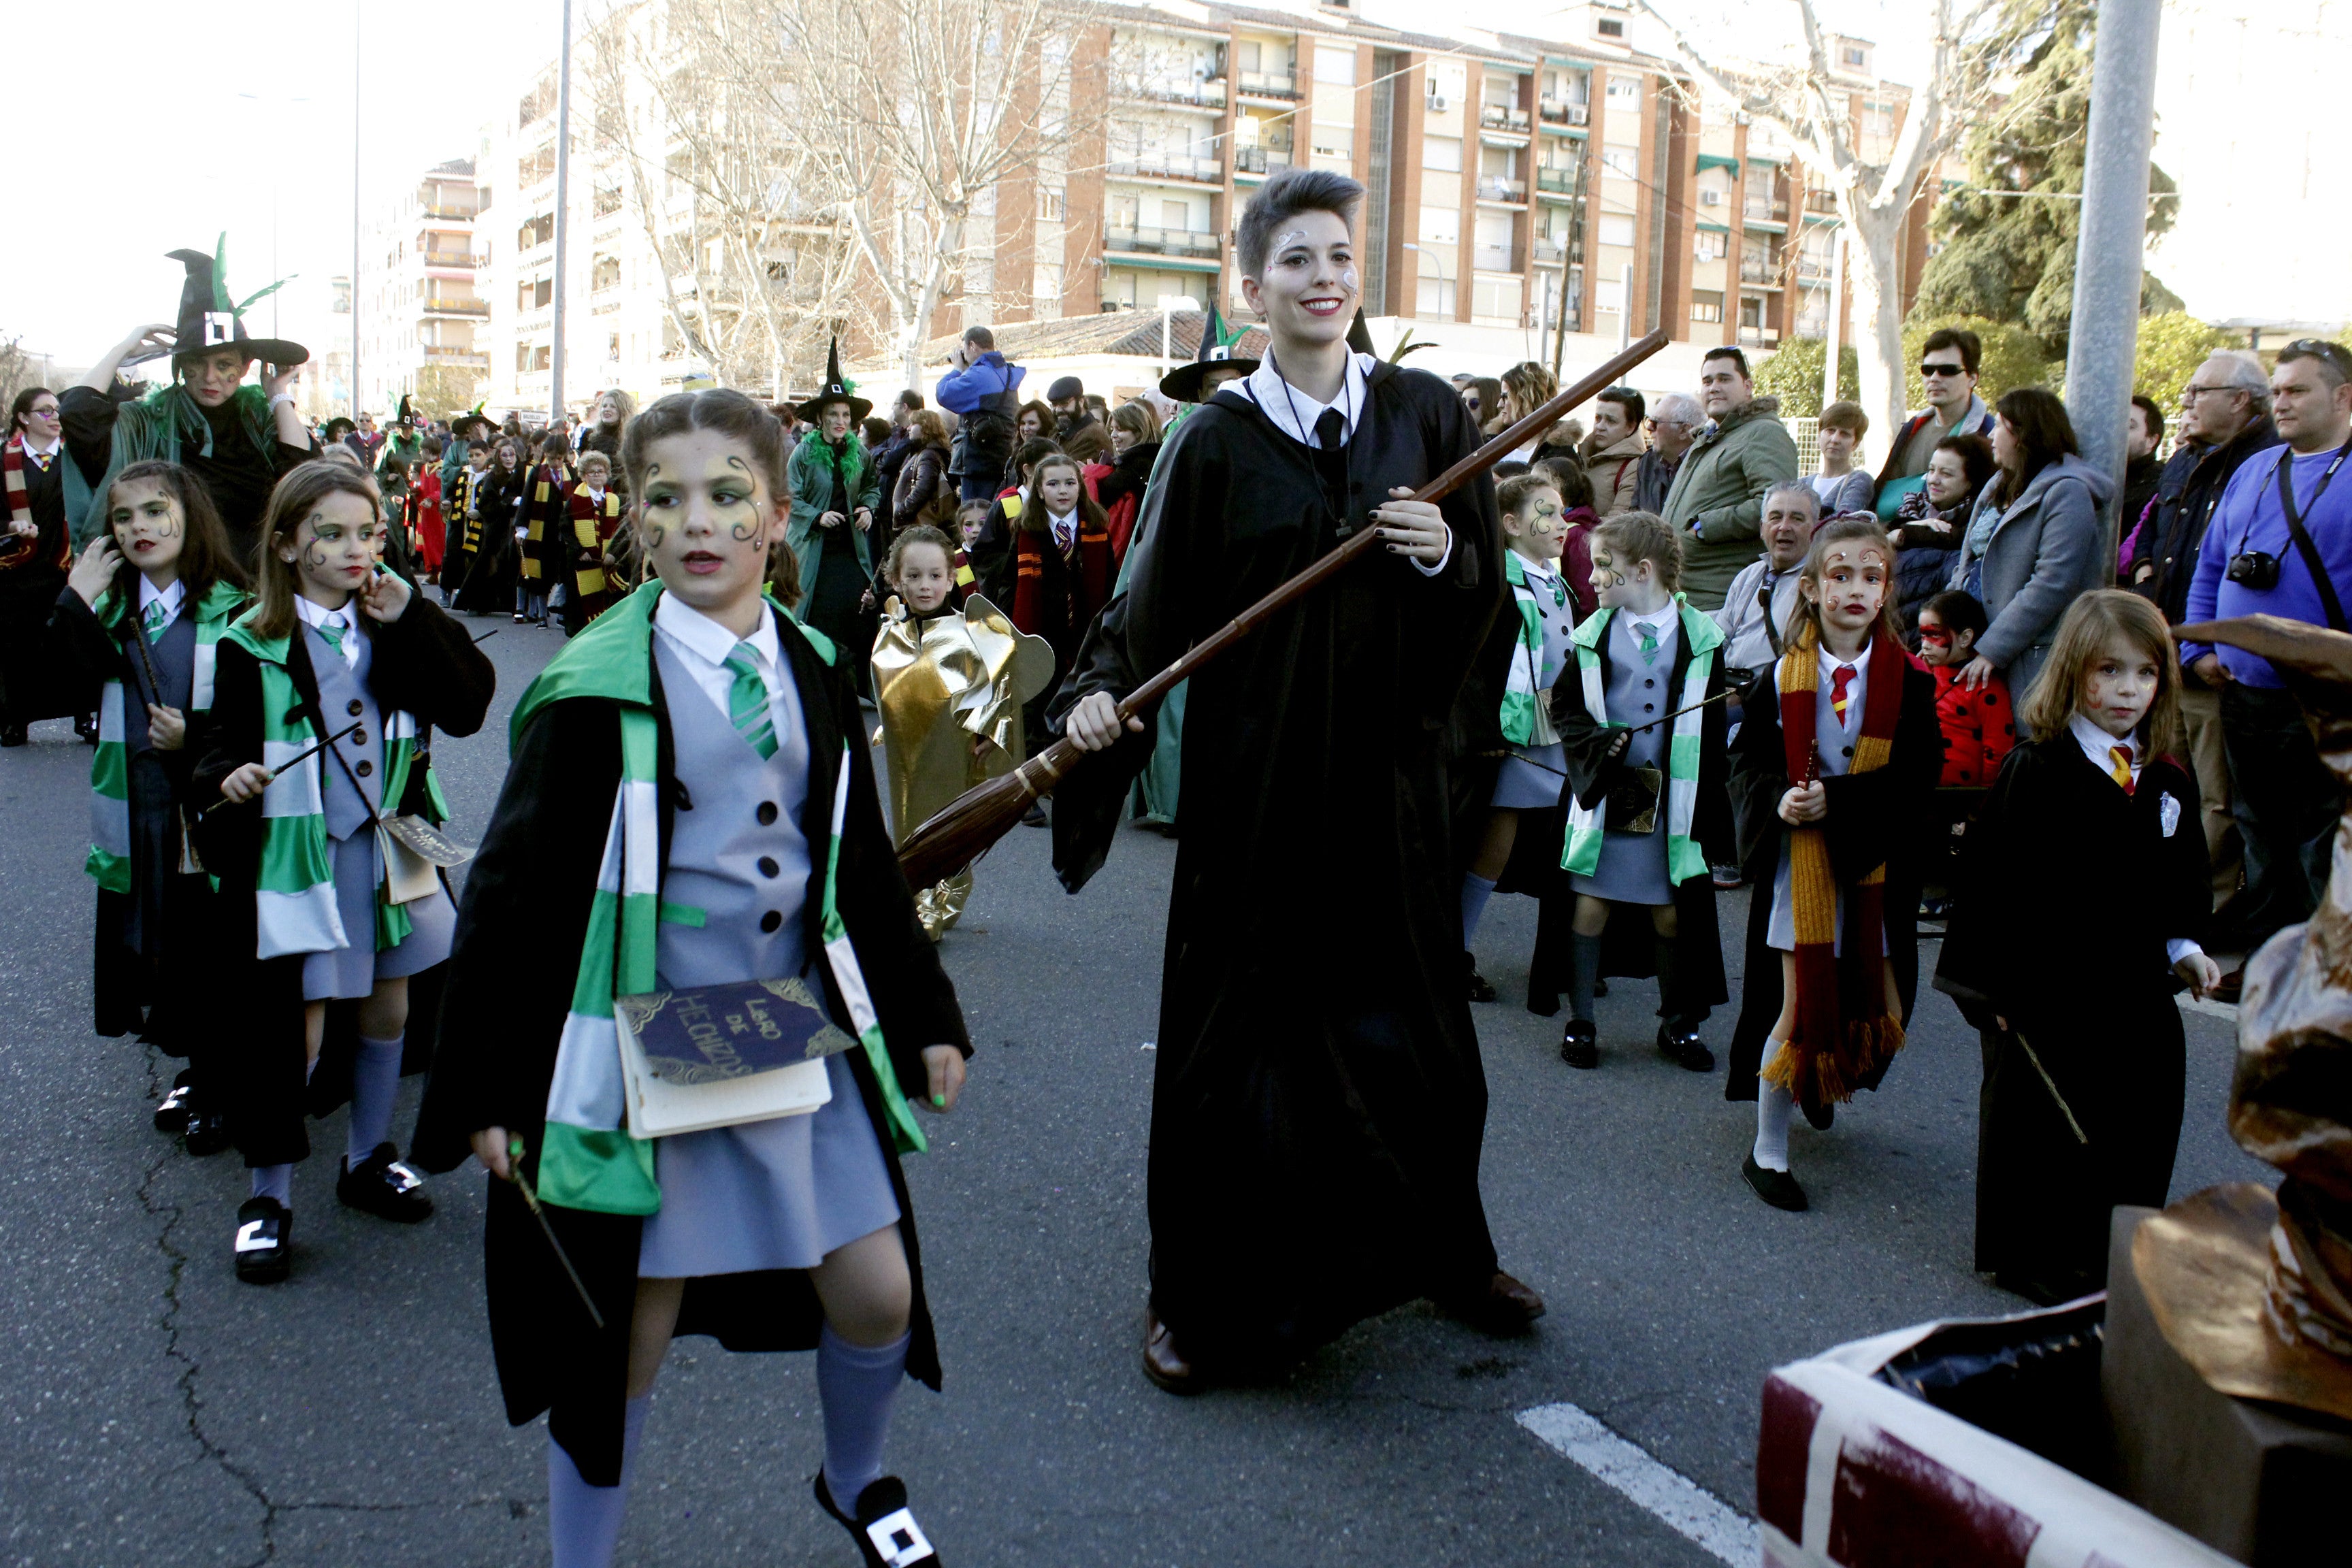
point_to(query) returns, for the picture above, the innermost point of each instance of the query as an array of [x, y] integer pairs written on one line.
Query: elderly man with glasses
[[2280, 543], [1947, 366], [1672, 429], [2225, 418]]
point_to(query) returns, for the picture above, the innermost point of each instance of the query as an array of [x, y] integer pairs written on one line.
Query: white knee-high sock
[[274, 1182], [859, 1387], [1773, 1106], [583, 1522], [375, 1084]]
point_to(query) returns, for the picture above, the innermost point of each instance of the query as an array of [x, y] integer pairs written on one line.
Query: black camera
[[2255, 569]]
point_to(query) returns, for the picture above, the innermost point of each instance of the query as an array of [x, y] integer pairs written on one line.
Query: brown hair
[[1531, 385], [1632, 537], [1846, 417], [2082, 636], [1045, 419], [297, 495], [920, 533], [723, 409], [1137, 420], [1845, 529], [930, 430], [206, 554], [1516, 491], [1033, 510]]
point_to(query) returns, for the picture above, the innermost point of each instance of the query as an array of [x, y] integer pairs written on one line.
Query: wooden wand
[[968, 825]]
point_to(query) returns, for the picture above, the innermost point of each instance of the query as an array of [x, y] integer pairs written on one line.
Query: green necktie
[[333, 632], [747, 701], [159, 616], [1649, 646]]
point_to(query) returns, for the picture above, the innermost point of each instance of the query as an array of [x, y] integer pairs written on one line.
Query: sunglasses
[[1931, 371], [2320, 348]]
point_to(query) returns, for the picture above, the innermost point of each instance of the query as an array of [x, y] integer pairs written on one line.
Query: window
[[1248, 56], [533, 356], [1616, 228], [1751, 313], [1625, 89], [606, 201], [1049, 204], [1497, 297], [605, 273], [1336, 67], [1706, 305], [535, 167], [1610, 28], [1177, 215], [537, 232], [531, 296], [1045, 281], [1711, 246], [1433, 296], [1440, 226], [1621, 162], [1442, 152], [1333, 147], [1854, 57]]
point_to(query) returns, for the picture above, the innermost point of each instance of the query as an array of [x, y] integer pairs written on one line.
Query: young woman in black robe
[[490, 585], [2087, 888], [1319, 1103], [34, 548]]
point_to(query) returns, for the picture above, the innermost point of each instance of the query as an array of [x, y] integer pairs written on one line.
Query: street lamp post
[[1438, 258], [562, 214], [358, 55]]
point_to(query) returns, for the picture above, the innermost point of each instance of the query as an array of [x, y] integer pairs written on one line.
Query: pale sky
[[145, 164]]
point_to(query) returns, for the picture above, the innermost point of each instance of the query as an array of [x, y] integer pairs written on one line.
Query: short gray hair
[[1793, 487], [1679, 409], [2242, 371]]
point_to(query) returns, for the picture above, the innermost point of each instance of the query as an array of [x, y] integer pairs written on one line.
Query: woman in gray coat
[[2033, 544]]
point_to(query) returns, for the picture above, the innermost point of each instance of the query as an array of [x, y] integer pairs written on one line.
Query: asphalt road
[[154, 1411]]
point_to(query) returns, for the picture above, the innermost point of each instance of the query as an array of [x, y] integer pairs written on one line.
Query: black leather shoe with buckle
[[883, 1526], [1685, 1048], [382, 1185], [1477, 984], [265, 1240], [207, 1133], [1579, 1044], [172, 1113]]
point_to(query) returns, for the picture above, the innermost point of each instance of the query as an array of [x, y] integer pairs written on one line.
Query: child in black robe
[[2087, 889]]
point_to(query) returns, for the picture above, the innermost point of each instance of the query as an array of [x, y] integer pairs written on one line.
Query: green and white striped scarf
[[1684, 859], [109, 771], [1524, 722], [294, 888], [587, 1158]]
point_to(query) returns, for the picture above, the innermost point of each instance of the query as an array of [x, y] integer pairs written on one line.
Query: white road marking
[[1688, 1509]]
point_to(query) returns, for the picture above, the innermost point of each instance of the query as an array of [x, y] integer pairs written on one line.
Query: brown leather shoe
[[1504, 1308], [1163, 1363]]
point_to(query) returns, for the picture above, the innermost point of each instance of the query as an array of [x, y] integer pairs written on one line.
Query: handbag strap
[[2312, 562]]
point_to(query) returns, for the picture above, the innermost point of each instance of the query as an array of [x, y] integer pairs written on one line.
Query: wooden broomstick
[[971, 824]]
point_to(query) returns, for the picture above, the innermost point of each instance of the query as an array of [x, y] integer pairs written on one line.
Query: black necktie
[[1331, 458], [1330, 430]]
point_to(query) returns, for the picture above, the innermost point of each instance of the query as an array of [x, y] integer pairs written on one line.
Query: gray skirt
[[1523, 785], [769, 1194], [1780, 931], [1631, 870], [353, 969]]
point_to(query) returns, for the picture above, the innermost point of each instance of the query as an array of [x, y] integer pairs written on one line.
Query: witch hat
[[1216, 352], [407, 415], [209, 320], [1360, 336], [835, 390]]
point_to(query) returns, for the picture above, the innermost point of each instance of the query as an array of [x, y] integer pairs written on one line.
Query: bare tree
[[18, 370], [693, 129], [1809, 102]]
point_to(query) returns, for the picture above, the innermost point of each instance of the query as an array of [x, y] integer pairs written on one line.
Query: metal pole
[[357, 56], [1837, 323], [1625, 308], [562, 212], [2104, 332]]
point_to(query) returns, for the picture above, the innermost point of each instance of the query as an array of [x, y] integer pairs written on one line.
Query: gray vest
[[738, 854], [353, 786], [1836, 739], [1638, 693], [173, 656]]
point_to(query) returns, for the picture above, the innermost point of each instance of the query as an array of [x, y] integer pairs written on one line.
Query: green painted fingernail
[[940, 1101]]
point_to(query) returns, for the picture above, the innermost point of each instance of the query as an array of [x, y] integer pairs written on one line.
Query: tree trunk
[[1875, 273]]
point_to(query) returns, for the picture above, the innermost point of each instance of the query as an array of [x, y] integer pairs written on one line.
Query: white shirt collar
[[315, 614], [43, 453], [1293, 412], [1656, 621], [1546, 570], [1831, 663], [710, 641], [171, 598], [2097, 745]]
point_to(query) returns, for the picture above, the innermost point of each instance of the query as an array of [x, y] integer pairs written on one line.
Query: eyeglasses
[[1931, 369], [2190, 394]]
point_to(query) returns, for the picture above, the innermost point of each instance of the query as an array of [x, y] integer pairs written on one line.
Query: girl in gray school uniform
[[336, 649], [690, 803]]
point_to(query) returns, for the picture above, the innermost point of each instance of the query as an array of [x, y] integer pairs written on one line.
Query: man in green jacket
[[1718, 495]]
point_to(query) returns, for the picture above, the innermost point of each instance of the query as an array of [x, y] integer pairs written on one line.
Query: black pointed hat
[[1216, 352], [835, 390], [209, 320], [1360, 336], [407, 414]]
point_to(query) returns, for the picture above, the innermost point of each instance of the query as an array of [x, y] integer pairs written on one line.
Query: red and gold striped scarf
[[22, 547], [1842, 1033]]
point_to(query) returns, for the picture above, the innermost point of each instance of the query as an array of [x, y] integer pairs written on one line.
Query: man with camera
[[2280, 543], [983, 391]]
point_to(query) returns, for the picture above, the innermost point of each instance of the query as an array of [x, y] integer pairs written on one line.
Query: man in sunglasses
[[1948, 365]]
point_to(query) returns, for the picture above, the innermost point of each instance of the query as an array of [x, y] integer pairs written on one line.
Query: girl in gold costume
[[950, 678]]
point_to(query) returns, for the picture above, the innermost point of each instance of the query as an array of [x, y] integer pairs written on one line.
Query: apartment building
[[421, 317]]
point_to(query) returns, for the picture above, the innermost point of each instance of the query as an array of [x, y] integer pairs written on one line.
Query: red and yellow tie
[[1838, 683], [2119, 760]]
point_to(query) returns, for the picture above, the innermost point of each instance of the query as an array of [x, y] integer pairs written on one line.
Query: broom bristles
[[963, 831]]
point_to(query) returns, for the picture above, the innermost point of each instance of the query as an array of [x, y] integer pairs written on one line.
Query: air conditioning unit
[[1436, 103], [1710, 198]]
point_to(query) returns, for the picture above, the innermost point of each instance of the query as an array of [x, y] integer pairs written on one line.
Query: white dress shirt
[[702, 645], [171, 598], [1295, 415], [2098, 746], [347, 619]]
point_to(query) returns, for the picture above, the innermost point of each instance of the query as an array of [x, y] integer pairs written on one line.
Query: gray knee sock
[[1475, 891], [1586, 952], [274, 1182], [583, 1522], [859, 1387], [1772, 1107], [375, 1084]]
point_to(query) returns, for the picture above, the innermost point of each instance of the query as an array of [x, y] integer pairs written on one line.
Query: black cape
[[33, 685], [1319, 1102], [1883, 816], [236, 473], [2069, 891]]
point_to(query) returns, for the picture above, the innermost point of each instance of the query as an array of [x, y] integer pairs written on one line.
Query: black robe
[[236, 473], [1629, 945], [491, 572], [1883, 816], [1319, 1103], [2070, 890], [33, 685], [528, 895], [424, 662]]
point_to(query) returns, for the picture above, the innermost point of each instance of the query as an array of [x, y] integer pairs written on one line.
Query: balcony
[[465, 358], [1256, 163], [1279, 85], [1756, 211], [1167, 166], [1550, 252], [459, 213], [1759, 272], [450, 258], [1556, 111], [1494, 259], [1190, 94], [1162, 242], [1821, 202], [1496, 188], [1559, 182], [1500, 117], [438, 305], [1813, 271]]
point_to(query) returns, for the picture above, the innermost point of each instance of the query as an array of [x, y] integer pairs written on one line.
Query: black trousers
[[2286, 801]]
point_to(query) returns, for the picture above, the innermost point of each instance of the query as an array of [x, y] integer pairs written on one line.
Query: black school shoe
[[1480, 989], [1685, 1048], [1579, 1044], [883, 1527], [382, 1185], [207, 1133], [265, 1240], [1777, 1188], [86, 726], [176, 1110]]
